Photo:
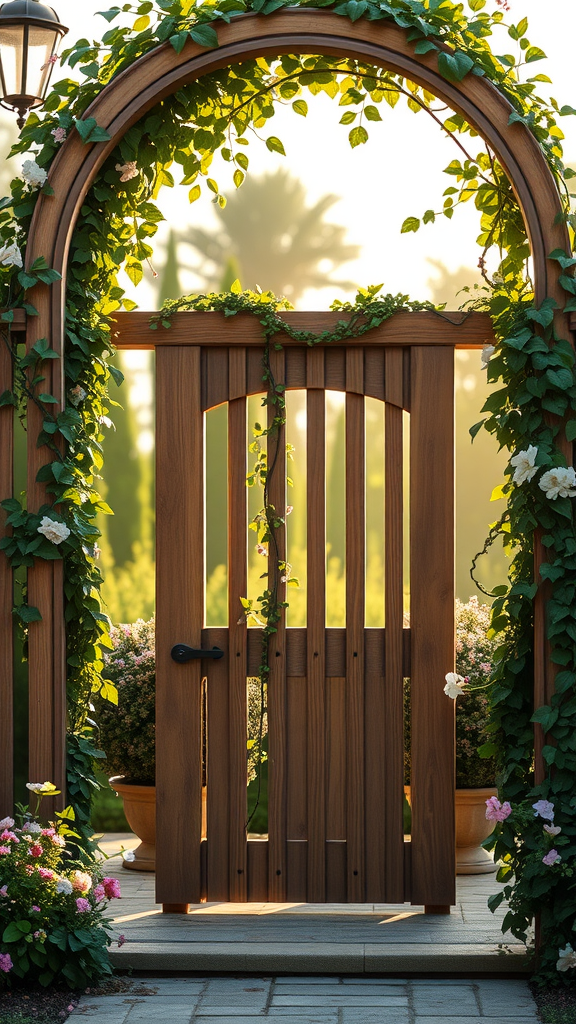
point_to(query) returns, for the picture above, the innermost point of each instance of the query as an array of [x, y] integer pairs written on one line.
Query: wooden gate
[[335, 696]]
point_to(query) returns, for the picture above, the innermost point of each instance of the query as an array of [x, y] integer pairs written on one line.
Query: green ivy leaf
[[204, 35], [358, 136], [454, 66], [274, 144], [410, 224]]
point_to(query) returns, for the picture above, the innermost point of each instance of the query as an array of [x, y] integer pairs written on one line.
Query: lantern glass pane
[[42, 43], [11, 54]]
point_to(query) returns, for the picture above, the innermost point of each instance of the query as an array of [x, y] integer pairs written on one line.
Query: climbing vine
[[223, 112]]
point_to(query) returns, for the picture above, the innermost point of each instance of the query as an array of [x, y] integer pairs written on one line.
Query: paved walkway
[[300, 938], [307, 1000]]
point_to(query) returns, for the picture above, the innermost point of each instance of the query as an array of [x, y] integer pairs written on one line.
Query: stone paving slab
[[249, 1000]]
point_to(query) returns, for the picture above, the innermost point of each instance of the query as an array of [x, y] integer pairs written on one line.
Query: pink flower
[[552, 857], [81, 881], [112, 888], [46, 873], [36, 850], [544, 809], [7, 823], [495, 811], [5, 849], [4, 890], [36, 910], [48, 831], [128, 171], [121, 940], [262, 549], [59, 134], [100, 893], [10, 836], [6, 962], [83, 905]]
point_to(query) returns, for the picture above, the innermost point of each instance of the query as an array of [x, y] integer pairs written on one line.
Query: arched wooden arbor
[[122, 103]]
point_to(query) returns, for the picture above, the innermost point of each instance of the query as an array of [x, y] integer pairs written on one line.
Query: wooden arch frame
[[122, 103]]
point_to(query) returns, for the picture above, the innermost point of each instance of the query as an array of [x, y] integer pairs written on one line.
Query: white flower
[[65, 886], [77, 395], [552, 830], [488, 351], [33, 173], [128, 171], [128, 855], [559, 482], [524, 465], [7, 823], [10, 255], [454, 685], [55, 532], [31, 826], [41, 787], [566, 958]]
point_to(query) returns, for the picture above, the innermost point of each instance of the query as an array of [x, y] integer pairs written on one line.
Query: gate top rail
[[453, 329]]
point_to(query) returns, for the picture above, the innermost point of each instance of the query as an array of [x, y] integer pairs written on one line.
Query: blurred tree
[[169, 286], [479, 466], [275, 239]]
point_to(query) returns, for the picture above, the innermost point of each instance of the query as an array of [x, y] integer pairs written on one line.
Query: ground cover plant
[[530, 413]]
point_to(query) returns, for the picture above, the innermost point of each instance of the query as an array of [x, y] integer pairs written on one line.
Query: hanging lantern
[[30, 33]]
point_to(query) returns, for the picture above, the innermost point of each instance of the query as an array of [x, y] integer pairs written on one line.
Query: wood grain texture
[[277, 749], [132, 330], [432, 624], [355, 602], [316, 624], [257, 858], [218, 775], [297, 817], [237, 665], [179, 619], [6, 589], [394, 656]]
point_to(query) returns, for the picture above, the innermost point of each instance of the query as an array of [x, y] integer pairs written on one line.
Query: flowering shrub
[[52, 926], [474, 653], [127, 732], [535, 843]]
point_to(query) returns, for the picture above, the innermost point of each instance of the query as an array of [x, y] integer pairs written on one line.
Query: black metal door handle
[[182, 652]]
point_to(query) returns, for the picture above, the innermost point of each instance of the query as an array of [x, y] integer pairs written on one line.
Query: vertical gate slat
[[6, 595], [316, 623], [217, 767], [238, 639], [277, 677], [179, 618], [355, 599], [432, 624], [394, 601], [297, 817]]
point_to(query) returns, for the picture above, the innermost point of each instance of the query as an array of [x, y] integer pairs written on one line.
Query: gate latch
[[181, 652]]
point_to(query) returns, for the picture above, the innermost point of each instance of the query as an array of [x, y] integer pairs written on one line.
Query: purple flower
[[545, 809], [112, 888], [552, 857], [495, 811], [121, 940], [6, 962], [83, 905], [36, 909], [4, 890]]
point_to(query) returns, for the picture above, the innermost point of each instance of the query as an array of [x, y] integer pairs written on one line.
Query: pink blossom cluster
[[6, 962], [495, 811]]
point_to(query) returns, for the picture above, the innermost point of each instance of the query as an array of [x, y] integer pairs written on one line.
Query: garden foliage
[[119, 218], [52, 924]]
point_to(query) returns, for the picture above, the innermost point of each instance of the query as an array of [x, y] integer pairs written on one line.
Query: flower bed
[[52, 925]]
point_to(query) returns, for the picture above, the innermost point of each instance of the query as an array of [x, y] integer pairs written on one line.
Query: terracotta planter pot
[[471, 829], [140, 810]]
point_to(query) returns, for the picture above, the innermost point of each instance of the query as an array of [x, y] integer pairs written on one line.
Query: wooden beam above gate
[[454, 329]]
